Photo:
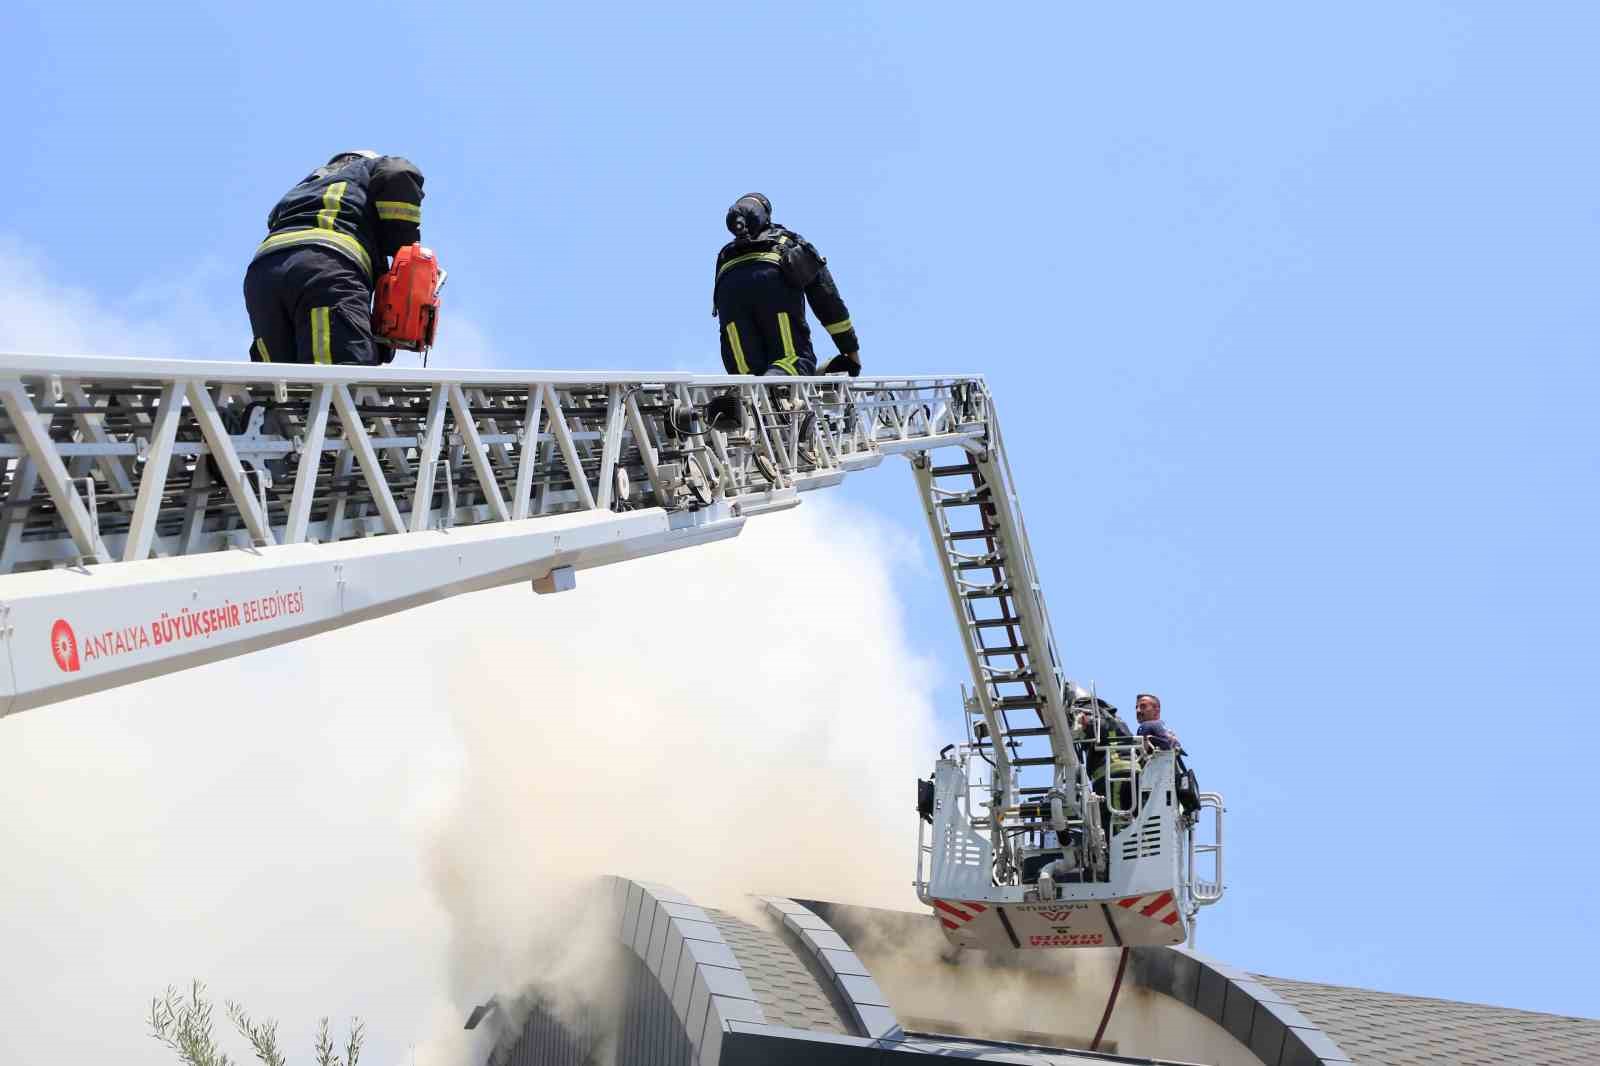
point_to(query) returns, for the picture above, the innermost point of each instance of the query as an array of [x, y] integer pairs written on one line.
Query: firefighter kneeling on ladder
[[765, 277], [309, 287]]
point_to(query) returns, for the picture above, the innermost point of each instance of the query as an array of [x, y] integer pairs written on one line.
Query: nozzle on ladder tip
[[561, 579]]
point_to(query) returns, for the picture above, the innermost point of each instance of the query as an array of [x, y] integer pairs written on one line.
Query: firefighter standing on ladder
[[309, 287], [765, 277], [1103, 739]]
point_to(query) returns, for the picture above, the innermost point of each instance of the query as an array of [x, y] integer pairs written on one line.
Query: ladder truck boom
[[160, 514]]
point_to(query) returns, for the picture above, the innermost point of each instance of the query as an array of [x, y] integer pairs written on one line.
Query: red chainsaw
[[406, 310]]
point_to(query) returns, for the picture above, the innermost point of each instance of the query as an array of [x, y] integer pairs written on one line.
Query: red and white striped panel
[[954, 915], [1161, 906]]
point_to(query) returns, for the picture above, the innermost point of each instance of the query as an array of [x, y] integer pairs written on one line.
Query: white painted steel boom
[[161, 514]]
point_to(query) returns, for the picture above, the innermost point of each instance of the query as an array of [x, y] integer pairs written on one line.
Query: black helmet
[[749, 215]]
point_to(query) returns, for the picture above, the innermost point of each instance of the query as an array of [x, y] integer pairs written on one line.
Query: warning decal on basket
[[1160, 906]]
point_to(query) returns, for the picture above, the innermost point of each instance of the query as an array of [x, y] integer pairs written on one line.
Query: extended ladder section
[[161, 514], [1021, 850], [1019, 698]]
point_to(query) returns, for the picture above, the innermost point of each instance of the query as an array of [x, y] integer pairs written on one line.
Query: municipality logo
[[64, 646]]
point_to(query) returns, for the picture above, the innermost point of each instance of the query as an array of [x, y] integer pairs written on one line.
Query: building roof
[[783, 983], [787, 990], [1399, 1030]]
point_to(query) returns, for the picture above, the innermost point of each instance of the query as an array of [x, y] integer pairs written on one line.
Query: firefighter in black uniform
[[765, 277], [309, 288], [1107, 761]]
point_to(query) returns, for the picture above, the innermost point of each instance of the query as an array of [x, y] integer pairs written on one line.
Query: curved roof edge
[[701, 987], [683, 946], [865, 1001], [685, 951], [708, 987], [1255, 1015]]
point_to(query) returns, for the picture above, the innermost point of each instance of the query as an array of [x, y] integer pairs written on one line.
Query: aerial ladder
[[1018, 847], [160, 514]]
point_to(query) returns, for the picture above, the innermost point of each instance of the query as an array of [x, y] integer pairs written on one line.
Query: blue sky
[[1289, 314]]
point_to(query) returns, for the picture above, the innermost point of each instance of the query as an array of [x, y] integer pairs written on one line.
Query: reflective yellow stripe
[[789, 364], [399, 211], [261, 349], [765, 257], [839, 327], [330, 204], [331, 237], [321, 336], [738, 349]]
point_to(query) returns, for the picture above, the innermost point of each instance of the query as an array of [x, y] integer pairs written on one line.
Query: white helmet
[[354, 153]]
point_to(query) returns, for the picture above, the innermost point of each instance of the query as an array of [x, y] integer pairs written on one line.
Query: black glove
[[844, 363]]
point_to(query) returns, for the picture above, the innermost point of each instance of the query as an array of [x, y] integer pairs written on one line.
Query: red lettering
[[1067, 940]]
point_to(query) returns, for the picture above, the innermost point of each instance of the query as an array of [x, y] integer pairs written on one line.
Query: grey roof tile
[[862, 989], [1400, 1030], [1212, 994], [845, 962], [1266, 1036], [1238, 1013], [781, 983]]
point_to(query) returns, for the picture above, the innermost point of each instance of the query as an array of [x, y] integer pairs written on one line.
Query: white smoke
[[1055, 998], [743, 718]]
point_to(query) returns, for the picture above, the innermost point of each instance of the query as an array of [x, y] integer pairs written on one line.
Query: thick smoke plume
[[1056, 998], [742, 718]]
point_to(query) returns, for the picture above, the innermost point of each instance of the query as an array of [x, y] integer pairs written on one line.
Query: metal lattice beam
[[308, 467]]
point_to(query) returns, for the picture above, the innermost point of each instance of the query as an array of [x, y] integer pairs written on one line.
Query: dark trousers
[[1120, 791], [763, 323], [310, 305]]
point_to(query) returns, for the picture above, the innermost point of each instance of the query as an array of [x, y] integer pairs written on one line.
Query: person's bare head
[[1147, 707]]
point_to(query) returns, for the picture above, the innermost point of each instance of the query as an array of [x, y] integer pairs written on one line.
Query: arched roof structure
[[779, 980]]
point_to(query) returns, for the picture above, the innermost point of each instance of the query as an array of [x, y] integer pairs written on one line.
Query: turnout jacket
[[364, 209], [1112, 729], [804, 268]]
